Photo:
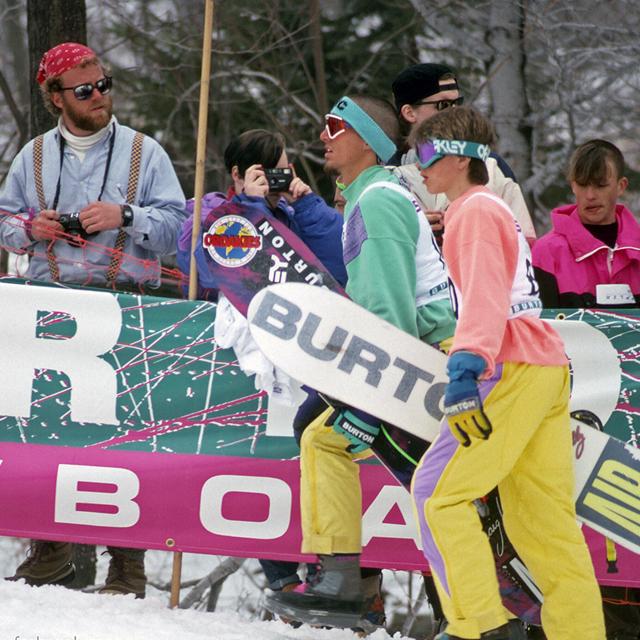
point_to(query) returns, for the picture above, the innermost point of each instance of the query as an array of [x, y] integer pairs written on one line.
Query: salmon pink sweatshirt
[[482, 252]]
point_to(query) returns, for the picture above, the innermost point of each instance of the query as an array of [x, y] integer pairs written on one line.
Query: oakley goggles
[[431, 151]]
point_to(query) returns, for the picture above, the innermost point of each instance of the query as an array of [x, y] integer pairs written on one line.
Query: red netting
[[91, 259]]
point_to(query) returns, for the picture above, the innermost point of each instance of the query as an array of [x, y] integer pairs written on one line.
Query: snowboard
[[243, 249], [247, 251], [346, 352]]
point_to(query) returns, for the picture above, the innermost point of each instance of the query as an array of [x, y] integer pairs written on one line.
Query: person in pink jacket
[[591, 258], [592, 255]]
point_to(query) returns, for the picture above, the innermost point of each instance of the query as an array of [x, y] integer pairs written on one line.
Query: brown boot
[[126, 572], [47, 563]]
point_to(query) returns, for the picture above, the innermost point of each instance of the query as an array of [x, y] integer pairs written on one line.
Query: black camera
[[278, 179], [71, 224]]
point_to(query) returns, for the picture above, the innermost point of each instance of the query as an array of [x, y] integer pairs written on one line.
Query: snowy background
[[57, 613]]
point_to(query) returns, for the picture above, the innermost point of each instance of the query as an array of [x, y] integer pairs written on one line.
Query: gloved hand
[[462, 403], [358, 427]]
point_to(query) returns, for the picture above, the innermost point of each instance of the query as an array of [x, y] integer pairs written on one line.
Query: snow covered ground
[[56, 613]]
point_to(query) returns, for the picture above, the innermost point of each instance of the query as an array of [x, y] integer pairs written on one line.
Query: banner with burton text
[[123, 423]]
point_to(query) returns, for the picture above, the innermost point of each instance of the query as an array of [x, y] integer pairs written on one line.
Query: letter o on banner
[[276, 490]]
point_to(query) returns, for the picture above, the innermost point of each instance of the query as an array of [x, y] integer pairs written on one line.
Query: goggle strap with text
[[431, 151]]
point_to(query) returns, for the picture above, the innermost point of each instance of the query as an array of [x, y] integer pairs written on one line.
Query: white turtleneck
[[81, 144]]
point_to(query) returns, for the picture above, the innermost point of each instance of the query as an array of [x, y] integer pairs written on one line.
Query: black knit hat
[[420, 81]]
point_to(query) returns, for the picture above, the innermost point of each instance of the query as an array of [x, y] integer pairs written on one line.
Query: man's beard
[[329, 168], [93, 121]]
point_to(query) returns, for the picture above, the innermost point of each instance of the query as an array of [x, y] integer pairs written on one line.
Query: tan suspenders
[[134, 175]]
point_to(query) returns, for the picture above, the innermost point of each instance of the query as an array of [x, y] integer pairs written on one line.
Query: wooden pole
[[198, 189], [198, 192]]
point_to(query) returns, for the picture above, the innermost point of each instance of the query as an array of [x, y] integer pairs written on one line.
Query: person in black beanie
[[420, 91]]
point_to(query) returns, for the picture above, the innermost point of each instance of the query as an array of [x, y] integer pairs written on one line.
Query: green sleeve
[[382, 266]]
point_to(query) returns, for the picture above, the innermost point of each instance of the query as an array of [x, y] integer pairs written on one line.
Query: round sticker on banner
[[232, 241]]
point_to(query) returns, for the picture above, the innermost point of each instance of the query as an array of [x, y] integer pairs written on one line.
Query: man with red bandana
[[84, 166], [125, 199]]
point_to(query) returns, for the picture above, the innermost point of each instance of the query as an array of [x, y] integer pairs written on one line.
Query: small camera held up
[[71, 224], [278, 179]]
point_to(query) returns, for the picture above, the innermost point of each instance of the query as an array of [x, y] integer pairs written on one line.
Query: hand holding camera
[[95, 217], [297, 190], [100, 216], [45, 225], [260, 181], [255, 182]]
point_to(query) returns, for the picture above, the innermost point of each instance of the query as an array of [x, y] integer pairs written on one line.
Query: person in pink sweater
[[506, 411], [591, 257]]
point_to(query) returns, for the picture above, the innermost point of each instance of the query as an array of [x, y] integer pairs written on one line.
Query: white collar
[[81, 144]]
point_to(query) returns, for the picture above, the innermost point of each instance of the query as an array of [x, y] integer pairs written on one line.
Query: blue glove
[[462, 403], [358, 427]]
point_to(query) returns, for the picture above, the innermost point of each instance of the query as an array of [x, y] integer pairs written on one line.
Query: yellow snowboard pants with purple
[[529, 458]]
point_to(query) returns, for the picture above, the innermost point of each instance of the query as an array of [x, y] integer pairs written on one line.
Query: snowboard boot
[[333, 599], [126, 573], [47, 563], [292, 586], [513, 630], [373, 615]]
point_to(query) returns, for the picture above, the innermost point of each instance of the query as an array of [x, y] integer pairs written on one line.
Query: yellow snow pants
[[330, 494], [529, 458]]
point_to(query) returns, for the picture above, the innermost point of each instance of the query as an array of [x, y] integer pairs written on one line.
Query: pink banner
[[206, 504]]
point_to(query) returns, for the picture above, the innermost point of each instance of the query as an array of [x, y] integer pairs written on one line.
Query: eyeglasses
[[441, 105], [85, 91], [335, 125]]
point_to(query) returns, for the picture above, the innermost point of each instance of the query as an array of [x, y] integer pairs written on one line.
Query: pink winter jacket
[[569, 262]]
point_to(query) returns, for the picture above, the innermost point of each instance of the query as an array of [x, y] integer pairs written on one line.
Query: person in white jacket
[[420, 91]]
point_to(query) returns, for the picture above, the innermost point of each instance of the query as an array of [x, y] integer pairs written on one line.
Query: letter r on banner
[[68, 496], [93, 381]]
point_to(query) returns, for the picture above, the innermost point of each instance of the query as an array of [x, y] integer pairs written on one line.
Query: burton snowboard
[[244, 250], [346, 352]]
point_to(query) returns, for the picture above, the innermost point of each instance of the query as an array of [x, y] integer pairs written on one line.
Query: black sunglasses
[[441, 105], [85, 91]]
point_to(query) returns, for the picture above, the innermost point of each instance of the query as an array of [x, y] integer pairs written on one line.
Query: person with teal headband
[[395, 270]]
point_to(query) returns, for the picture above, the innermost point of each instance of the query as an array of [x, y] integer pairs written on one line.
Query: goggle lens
[[427, 154], [335, 125]]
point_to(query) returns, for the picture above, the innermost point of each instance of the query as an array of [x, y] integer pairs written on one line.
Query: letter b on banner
[[124, 512]]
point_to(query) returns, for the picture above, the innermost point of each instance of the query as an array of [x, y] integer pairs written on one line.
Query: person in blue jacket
[[317, 224]]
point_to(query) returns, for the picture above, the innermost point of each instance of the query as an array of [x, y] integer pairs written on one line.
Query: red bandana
[[61, 58]]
